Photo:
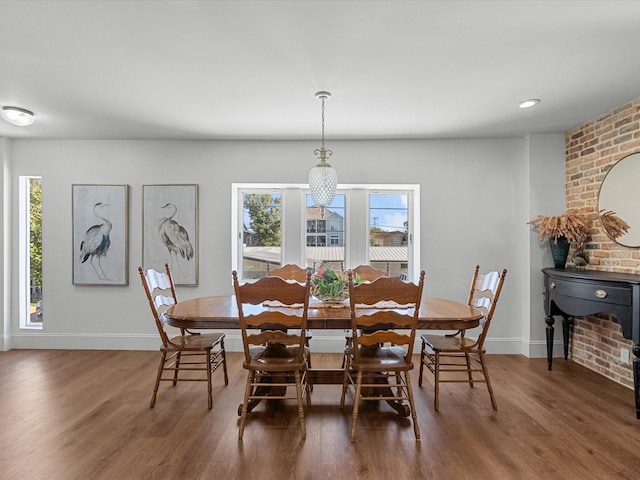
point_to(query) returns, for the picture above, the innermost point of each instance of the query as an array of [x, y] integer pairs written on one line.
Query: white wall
[[471, 205], [546, 158], [5, 239]]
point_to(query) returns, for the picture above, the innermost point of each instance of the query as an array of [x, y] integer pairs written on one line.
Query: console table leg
[[566, 333], [549, 320], [636, 378]]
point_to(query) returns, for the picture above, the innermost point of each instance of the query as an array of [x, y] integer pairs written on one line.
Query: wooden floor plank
[[84, 415]]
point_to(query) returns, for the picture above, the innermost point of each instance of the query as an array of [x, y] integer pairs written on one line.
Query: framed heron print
[[170, 230], [100, 238]]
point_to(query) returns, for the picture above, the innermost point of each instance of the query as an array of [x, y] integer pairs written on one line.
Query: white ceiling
[[250, 69]]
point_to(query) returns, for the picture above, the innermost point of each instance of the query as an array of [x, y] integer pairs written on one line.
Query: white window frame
[[237, 211], [356, 227], [24, 252]]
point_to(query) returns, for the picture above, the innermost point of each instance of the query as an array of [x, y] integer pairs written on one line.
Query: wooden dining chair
[[186, 352], [274, 348], [364, 273], [459, 358], [291, 271], [382, 312], [367, 273]]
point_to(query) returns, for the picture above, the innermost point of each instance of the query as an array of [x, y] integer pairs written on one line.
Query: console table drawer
[[593, 291]]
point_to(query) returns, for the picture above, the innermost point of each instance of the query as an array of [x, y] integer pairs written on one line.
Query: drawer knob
[[552, 285], [601, 293]]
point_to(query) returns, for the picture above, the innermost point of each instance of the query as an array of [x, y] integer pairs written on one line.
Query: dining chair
[[275, 354], [382, 312], [367, 273], [291, 271], [187, 352], [364, 273], [462, 359]]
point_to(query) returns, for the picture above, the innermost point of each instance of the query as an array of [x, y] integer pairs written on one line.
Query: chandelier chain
[[323, 123]]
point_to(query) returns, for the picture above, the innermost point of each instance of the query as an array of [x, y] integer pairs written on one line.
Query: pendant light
[[323, 179]]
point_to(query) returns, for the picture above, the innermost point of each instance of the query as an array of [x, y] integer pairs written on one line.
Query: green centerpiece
[[330, 285]]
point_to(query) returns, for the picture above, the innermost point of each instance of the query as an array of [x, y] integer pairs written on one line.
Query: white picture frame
[[170, 230], [100, 218]]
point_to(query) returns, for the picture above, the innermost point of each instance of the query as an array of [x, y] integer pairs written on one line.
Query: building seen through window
[[380, 230]]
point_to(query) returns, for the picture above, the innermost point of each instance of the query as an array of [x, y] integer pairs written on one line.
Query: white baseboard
[[323, 342]]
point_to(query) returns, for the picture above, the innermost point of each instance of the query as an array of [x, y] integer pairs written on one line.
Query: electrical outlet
[[624, 356]]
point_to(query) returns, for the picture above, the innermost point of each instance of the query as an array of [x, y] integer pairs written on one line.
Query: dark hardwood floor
[[70, 415]]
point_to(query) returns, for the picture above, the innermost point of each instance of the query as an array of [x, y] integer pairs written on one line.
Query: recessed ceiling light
[[18, 116], [529, 103]]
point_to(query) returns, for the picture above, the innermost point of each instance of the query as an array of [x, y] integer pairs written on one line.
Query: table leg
[[385, 391], [566, 333], [549, 320], [259, 391], [402, 408], [636, 378], [265, 389]]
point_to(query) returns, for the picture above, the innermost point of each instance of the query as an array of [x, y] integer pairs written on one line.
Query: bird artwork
[[174, 236], [96, 241]]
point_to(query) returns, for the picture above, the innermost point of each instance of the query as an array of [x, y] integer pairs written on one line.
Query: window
[[261, 232], [388, 232], [365, 224], [327, 248], [30, 252]]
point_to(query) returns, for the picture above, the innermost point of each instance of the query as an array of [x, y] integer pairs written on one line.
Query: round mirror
[[618, 202]]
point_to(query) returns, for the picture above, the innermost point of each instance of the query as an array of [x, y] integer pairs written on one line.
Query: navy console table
[[572, 293]]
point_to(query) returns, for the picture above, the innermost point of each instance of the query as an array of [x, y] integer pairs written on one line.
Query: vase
[[559, 251], [329, 300]]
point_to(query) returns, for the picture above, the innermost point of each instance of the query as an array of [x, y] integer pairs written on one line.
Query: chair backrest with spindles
[[384, 311], [261, 324], [483, 294], [367, 273], [161, 294], [289, 271]]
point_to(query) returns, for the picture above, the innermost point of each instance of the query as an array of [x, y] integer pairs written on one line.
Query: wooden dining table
[[221, 312]]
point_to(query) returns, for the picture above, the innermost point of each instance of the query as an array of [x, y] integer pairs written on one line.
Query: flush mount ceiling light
[[18, 116], [323, 179], [529, 103]]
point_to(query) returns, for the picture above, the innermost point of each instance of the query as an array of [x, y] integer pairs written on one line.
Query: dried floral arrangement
[[613, 224], [571, 224]]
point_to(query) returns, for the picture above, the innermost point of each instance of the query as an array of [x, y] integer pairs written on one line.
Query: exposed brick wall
[[591, 150]]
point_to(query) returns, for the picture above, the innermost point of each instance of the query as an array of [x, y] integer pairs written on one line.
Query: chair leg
[[436, 386], [306, 342], [347, 343], [308, 388], [177, 367], [422, 355], [486, 377], [414, 415], [224, 362], [468, 360], [356, 402], [155, 388], [345, 379], [209, 391], [245, 404], [303, 430]]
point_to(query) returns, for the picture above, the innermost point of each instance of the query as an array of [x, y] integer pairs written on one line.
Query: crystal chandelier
[[323, 179]]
